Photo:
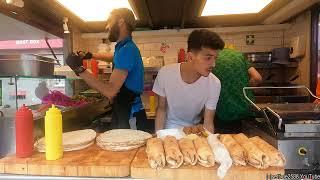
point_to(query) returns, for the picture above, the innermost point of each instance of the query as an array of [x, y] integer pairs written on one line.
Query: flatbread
[[174, 156], [73, 140], [188, 150], [205, 154], [118, 148], [276, 158], [255, 157], [123, 136], [236, 151], [155, 153], [122, 139]]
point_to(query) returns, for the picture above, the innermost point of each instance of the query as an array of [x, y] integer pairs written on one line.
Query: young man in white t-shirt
[[185, 89]]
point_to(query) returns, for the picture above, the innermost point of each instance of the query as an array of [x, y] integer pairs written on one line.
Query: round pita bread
[[123, 136], [71, 140], [122, 139]]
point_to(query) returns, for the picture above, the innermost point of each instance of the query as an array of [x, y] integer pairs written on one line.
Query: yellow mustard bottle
[[53, 134], [152, 106]]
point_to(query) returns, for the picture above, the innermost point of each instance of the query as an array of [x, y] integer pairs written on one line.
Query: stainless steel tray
[[26, 65]]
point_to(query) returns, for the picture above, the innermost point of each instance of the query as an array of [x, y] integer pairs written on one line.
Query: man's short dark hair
[[127, 16], [204, 38]]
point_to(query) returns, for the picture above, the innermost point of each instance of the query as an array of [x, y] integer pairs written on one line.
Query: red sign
[[31, 44]]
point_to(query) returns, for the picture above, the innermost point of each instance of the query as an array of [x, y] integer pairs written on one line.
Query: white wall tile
[[145, 53], [157, 53], [140, 46], [150, 45]]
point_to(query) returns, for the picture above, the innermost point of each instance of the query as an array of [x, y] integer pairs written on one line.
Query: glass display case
[[18, 90]]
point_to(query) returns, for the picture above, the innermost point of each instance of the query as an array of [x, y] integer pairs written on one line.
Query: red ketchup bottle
[[24, 132], [85, 63], [181, 56], [94, 68]]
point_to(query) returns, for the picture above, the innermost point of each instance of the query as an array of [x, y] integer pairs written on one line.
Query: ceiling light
[[18, 3], [218, 7], [94, 10]]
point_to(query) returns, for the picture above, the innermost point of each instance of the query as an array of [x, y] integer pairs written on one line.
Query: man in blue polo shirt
[[126, 81]]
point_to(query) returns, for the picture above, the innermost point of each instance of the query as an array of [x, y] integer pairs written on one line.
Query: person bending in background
[[185, 89], [234, 72], [127, 79]]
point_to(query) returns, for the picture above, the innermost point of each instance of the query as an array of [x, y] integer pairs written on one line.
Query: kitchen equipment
[[7, 135], [293, 128], [24, 132], [53, 134], [280, 56], [74, 118], [26, 65], [52, 52], [259, 57]]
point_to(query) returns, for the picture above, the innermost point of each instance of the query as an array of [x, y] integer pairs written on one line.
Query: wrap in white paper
[[221, 155]]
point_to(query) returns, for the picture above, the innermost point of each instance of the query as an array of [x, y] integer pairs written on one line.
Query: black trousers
[[143, 123], [121, 111]]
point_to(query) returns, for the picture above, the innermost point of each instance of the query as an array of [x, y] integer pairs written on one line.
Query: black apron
[[121, 111]]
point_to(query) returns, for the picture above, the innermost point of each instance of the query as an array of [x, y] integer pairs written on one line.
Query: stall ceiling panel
[[152, 14], [12, 29]]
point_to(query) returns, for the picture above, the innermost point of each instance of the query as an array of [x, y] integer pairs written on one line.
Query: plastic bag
[[177, 133], [221, 155]]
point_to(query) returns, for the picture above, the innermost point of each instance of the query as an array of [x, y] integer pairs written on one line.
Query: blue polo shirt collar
[[123, 42]]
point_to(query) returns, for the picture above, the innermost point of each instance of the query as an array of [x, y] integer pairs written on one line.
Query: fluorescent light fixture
[[94, 10], [224, 7], [18, 3]]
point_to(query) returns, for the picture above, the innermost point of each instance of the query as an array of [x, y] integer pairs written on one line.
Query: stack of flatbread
[[74, 140], [122, 139]]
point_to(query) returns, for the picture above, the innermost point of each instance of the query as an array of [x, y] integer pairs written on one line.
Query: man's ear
[[121, 22]]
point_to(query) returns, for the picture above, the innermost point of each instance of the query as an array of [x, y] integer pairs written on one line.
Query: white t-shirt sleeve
[[214, 92], [159, 86]]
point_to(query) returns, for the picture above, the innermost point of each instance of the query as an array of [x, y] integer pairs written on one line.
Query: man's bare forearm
[[104, 88], [209, 125], [107, 57], [208, 120]]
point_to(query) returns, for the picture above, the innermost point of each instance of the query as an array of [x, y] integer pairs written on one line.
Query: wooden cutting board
[[92, 161], [141, 169]]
